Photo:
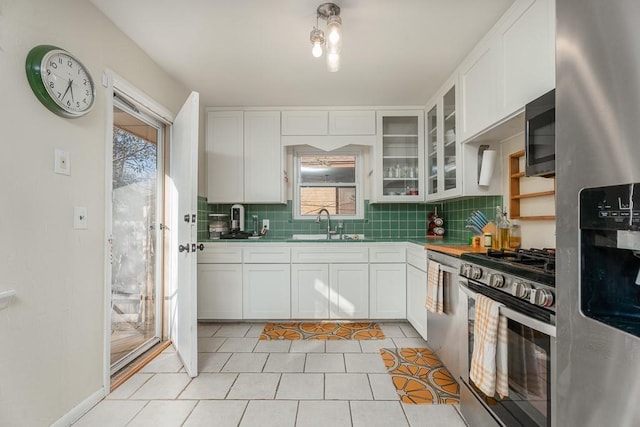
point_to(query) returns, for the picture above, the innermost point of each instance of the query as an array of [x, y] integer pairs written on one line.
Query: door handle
[[183, 248]]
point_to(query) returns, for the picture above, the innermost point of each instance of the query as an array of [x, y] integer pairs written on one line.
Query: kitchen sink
[[323, 236]]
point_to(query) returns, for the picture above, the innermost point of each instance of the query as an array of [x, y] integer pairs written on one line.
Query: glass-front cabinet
[[442, 158], [399, 155]]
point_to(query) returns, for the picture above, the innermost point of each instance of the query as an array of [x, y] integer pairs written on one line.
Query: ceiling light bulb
[[334, 29], [317, 49], [317, 40]]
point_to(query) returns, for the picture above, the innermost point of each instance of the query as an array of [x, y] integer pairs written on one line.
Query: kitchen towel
[[489, 369], [435, 288]]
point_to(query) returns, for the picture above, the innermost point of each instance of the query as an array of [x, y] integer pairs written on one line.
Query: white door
[[183, 188], [309, 291], [266, 291], [349, 291]]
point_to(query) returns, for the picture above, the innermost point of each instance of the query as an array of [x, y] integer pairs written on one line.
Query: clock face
[[60, 81]]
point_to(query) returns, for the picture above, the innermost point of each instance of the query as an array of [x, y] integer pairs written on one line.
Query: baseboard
[[79, 410]]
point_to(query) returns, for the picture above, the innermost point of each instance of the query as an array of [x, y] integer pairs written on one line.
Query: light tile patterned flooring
[[249, 383]]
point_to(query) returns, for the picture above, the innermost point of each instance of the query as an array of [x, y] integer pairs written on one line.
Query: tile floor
[[247, 382]]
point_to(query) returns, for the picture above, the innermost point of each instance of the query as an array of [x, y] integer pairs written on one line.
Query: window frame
[[297, 185]]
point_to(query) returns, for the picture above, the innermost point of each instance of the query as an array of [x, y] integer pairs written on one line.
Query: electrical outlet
[[80, 220], [265, 223], [62, 163]]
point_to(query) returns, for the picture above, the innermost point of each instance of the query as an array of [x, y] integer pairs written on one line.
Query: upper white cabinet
[[399, 156], [263, 157], [443, 149], [512, 65], [322, 123], [305, 122], [352, 122], [225, 156], [244, 157], [527, 45]]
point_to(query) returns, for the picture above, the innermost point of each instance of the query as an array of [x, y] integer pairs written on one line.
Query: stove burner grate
[[540, 258]]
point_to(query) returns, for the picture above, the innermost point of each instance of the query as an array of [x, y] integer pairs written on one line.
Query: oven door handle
[[536, 324], [445, 267]]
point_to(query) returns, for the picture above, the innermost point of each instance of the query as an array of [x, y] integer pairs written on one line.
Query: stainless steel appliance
[[524, 282], [237, 218], [218, 225], [443, 331], [597, 134], [540, 139]]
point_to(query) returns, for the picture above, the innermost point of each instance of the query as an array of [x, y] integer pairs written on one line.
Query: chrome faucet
[[328, 221]]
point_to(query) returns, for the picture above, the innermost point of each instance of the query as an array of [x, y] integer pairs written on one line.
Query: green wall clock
[[60, 81]]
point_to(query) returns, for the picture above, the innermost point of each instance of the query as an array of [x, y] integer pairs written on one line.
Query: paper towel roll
[[488, 165]]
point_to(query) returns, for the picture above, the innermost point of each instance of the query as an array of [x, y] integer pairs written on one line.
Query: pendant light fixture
[[333, 40]]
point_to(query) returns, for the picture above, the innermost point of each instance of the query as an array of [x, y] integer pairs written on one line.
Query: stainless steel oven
[[531, 338]]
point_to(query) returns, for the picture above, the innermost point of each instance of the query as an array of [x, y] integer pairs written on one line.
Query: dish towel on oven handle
[[435, 288], [489, 364]]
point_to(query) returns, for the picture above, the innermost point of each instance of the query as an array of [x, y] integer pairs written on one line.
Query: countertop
[[455, 250], [416, 240]]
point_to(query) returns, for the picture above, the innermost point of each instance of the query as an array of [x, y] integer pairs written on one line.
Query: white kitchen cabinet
[[266, 290], [349, 291], [244, 157], [416, 299], [263, 158], [512, 65], [399, 156], [334, 291], [224, 150], [478, 86], [388, 291], [352, 122], [303, 122], [219, 291], [526, 42], [310, 291], [444, 157]]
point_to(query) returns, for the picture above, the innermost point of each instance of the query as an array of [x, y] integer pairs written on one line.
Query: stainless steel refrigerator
[[597, 147]]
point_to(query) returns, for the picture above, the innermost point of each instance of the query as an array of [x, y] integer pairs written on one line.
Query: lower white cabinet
[[387, 291], [266, 291], [219, 291], [416, 299], [336, 291]]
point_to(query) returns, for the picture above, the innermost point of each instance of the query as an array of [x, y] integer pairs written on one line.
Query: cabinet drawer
[[329, 253], [266, 254], [417, 257], [387, 254], [305, 122], [215, 253]]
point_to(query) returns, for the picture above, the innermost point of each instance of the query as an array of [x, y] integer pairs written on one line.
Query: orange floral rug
[[420, 377], [322, 331]]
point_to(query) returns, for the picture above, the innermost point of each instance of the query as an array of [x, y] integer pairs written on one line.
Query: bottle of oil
[[515, 238], [504, 231]]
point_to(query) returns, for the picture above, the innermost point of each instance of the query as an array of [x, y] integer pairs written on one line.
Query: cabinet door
[[528, 54], [478, 84], [387, 291], [220, 291], [263, 156], [352, 122], [416, 299], [309, 291], [266, 291], [224, 156], [349, 297], [305, 122], [399, 156]]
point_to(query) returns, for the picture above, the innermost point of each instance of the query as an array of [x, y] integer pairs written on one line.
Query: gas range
[[526, 276]]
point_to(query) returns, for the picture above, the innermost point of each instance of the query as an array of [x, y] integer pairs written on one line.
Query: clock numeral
[[48, 72], [84, 100], [51, 85], [87, 93], [77, 105], [86, 81], [60, 59], [69, 64], [68, 103], [59, 94], [53, 64]]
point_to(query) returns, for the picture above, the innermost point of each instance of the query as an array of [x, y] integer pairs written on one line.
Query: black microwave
[[540, 135]]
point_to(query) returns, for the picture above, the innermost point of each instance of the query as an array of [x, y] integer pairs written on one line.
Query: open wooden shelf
[[515, 196]]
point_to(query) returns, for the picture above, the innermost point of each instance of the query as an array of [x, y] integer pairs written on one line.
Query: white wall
[[535, 233], [51, 338]]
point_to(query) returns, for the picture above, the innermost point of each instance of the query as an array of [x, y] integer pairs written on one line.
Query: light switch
[[80, 220], [62, 163]]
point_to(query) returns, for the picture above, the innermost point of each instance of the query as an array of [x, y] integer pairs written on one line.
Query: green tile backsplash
[[382, 220]]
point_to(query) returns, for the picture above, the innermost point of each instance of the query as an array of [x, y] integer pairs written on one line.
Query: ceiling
[[249, 53]]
